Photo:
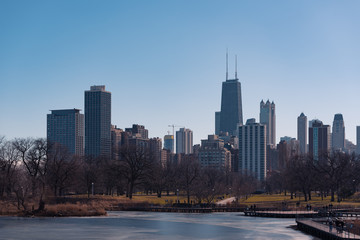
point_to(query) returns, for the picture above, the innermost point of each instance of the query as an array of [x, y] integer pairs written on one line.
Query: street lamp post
[[177, 195], [92, 188]]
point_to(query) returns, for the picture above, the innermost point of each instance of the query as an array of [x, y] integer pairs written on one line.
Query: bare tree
[[34, 156], [110, 175], [243, 184], [300, 172], [209, 184], [336, 168], [189, 170], [89, 173], [62, 167], [8, 165], [136, 165], [22, 190]]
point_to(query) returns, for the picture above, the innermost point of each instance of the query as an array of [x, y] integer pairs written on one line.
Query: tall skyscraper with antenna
[[230, 115]]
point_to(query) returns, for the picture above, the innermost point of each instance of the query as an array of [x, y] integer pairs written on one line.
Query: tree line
[[31, 170], [334, 174]]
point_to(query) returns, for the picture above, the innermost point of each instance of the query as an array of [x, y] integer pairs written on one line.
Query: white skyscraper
[[302, 132], [268, 118], [338, 133], [184, 141], [252, 149]]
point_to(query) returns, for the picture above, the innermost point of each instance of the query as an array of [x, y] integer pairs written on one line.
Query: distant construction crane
[[173, 127]]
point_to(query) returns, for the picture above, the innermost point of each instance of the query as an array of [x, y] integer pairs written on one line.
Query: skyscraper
[[230, 115], [319, 139], [252, 148], [217, 122], [268, 118], [169, 143], [184, 141], [116, 142], [302, 132], [155, 145], [66, 127], [97, 122], [338, 133], [137, 137], [140, 130]]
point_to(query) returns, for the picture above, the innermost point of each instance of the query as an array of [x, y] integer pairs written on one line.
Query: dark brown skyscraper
[[231, 106]]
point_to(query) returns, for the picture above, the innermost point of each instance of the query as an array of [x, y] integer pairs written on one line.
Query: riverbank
[[83, 205], [79, 206]]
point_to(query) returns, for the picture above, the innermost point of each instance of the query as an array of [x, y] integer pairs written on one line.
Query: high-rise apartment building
[[302, 132], [338, 133], [268, 118], [230, 115], [288, 147], [155, 145], [66, 127], [184, 141], [136, 137], [319, 139], [252, 149], [139, 130], [212, 153], [97, 122], [169, 143], [116, 142]]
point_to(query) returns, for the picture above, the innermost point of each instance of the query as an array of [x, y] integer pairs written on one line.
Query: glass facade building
[[97, 122], [169, 143], [66, 127], [338, 133], [230, 115]]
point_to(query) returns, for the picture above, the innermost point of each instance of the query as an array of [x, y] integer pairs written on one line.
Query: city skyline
[[169, 69]]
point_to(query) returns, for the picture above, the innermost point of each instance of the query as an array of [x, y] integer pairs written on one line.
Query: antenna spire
[[236, 67], [226, 64]]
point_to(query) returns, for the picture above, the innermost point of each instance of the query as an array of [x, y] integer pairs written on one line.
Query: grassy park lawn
[[276, 199], [82, 205], [265, 200]]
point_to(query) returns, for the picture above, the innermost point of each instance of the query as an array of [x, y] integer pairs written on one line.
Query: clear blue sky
[[164, 61]]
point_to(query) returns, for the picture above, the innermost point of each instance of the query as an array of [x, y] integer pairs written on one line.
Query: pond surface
[[149, 225]]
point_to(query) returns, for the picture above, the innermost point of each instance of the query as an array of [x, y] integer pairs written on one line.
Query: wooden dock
[[178, 209], [281, 214], [323, 231]]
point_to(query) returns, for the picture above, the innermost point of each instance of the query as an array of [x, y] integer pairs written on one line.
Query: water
[[149, 225]]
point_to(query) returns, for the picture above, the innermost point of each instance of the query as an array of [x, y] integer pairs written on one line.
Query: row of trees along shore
[[31, 170], [332, 174]]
